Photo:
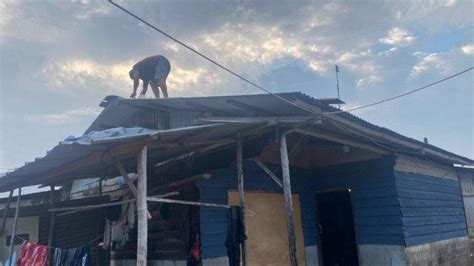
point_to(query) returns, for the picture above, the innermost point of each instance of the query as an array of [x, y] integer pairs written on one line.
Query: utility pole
[[337, 85]]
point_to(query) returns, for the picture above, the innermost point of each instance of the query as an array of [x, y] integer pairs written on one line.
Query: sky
[[59, 59]]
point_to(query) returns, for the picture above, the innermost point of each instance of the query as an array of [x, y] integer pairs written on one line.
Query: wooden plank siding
[[377, 211], [431, 207], [374, 198]]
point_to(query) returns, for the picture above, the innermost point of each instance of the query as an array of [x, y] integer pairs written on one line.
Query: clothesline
[[87, 243]]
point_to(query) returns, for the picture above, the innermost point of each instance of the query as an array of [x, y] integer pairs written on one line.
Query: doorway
[[337, 240]]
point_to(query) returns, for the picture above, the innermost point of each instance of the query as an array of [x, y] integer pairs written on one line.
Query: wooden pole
[[142, 241], [240, 181], [52, 218], [268, 171], [185, 202], [15, 221], [285, 167], [5, 212]]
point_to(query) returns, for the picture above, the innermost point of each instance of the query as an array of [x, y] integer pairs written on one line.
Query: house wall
[[25, 225], [376, 210], [433, 217], [375, 205]]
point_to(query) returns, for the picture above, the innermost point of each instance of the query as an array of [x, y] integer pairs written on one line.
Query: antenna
[[337, 84]]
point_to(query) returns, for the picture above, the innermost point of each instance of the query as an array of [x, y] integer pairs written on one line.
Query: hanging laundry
[[235, 235], [195, 254], [118, 232], [82, 256], [32, 254]]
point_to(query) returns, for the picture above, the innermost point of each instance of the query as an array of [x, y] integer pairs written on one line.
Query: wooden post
[[15, 221], [142, 241], [5, 212], [52, 218], [285, 167], [240, 181]]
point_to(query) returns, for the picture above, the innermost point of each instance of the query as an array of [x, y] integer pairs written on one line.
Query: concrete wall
[[25, 225], [453, 252]]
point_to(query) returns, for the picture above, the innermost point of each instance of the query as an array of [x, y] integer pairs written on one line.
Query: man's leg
[[164, 88], [154, 87], [145, 88]]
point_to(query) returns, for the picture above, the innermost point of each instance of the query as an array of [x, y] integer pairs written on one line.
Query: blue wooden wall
[[374, 198], [431, 208], [377, 213]]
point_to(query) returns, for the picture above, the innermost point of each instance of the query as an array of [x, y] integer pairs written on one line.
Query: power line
[[403, 94], [211, 60]]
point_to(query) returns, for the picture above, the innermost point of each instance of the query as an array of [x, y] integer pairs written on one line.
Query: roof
[[118, 110], [88, 156], [94, 156]]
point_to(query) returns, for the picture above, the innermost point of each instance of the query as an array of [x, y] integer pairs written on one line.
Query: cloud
[[427, 63], [398, 37], [70, 115], [468, 49], [77, 76]]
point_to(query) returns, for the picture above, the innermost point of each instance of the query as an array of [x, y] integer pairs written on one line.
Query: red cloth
[[32, 254]]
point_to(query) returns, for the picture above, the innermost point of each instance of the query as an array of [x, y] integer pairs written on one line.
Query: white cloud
[[87, 75], [468, 49], [398, 37], [427, 63], [70, 115]]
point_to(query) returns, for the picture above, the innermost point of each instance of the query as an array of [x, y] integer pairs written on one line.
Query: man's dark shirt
[[146, 67]]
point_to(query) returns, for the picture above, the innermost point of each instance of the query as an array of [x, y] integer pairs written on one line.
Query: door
[[265, 222], [336, 228]]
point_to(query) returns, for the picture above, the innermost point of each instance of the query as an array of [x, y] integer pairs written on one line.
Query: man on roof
[[153, 70]]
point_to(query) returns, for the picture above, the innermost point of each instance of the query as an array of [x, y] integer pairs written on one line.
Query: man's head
[[133, 74]]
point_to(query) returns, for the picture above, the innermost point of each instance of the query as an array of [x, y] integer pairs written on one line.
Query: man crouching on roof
[[153, 70]]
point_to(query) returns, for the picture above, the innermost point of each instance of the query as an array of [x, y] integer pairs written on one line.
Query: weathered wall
[[214, 220], [432, 209], [25, 225], [377, 213], [452, 251]]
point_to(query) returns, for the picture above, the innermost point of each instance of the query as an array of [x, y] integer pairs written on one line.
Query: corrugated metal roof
[[92, 159], [257, 105]]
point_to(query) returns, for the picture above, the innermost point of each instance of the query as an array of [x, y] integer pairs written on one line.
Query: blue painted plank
[[430, 211], [427, 187], [417, 194], [427, 220], [213, 239], [426, 179], [432, 229], [429, 203], [417, 240], [213, 251]]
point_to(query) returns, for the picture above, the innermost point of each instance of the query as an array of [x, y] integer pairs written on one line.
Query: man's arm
[[135, 87], [145, 88]]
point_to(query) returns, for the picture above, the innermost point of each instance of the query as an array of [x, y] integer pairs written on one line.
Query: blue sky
[[59, 59]]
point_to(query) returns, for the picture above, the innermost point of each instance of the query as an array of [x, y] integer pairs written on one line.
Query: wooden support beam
[[185, 202], [285, 167], [270, 120], [268, 171], [142, 241], [180, 182], [69, 210], [129, 182], [5, 212], [240, 182], [52, 218], [334, 138], [15, 222]]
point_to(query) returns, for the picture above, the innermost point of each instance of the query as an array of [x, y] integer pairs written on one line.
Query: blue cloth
[[11, 261]]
